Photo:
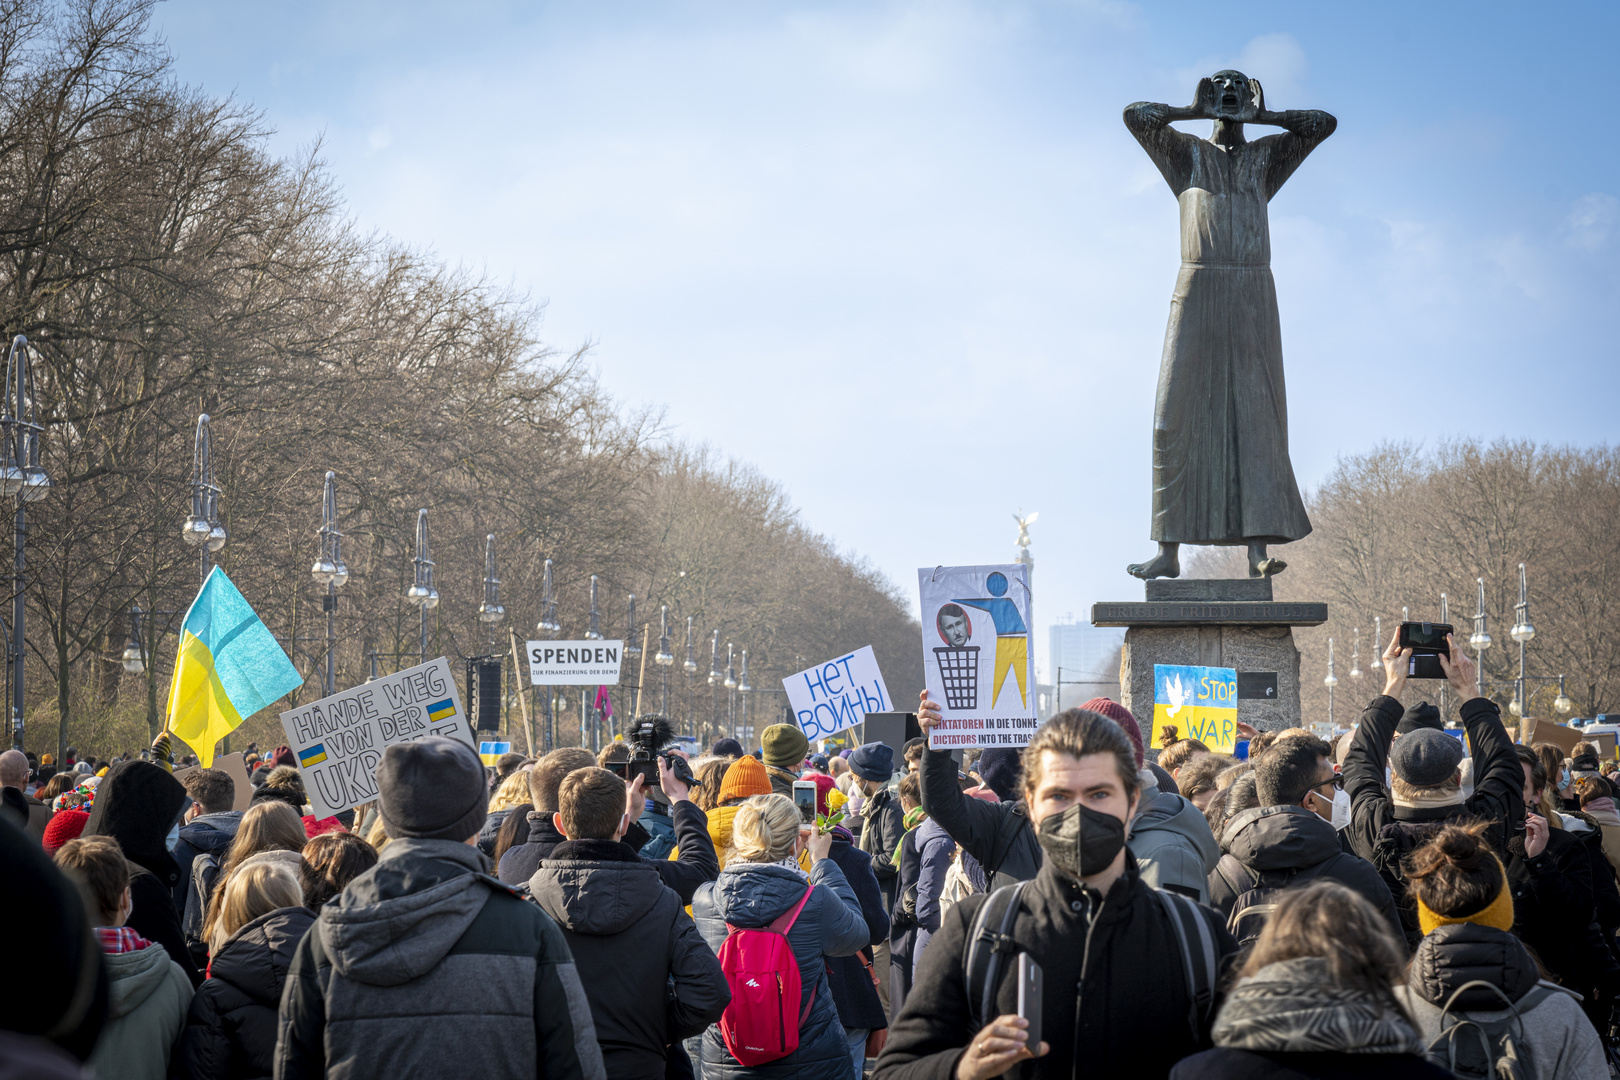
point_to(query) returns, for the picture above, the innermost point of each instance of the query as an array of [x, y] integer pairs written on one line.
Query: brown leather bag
[[877, 1037]]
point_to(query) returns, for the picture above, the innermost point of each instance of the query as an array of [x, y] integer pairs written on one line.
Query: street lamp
[[595, 632], [330, 571], [1521, 632], [690, 667], [133, 658], [632, 644], [743, 689], [548, 625], [1355, 654], [664, 659], [1563, 702], [202, 528], [491, 611], [1331, 681], [422, 592], [1378, 644], [22, 478], [1480, 640]]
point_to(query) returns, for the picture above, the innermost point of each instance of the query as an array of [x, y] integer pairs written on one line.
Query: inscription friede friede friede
[[1252, 611]]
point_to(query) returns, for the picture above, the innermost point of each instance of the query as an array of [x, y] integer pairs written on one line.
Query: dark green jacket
[[427, 966]]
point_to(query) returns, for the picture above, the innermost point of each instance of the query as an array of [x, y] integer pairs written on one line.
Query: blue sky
[[904, 257]]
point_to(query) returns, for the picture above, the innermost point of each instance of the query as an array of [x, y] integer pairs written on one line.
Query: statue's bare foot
[[1165, 564], [1267, 567]]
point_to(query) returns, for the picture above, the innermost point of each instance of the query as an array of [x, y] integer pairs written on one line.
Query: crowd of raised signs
[[1406, 903]]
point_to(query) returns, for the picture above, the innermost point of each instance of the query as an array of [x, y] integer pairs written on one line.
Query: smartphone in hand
[[804, 798], [1029, 998]]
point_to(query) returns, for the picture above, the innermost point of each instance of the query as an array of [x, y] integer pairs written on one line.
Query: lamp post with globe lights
[[329, 570], [690, 667], [1355, 654], [730, 683], [632, 653], [490, 611], [548, 628], [1480, 640], [202, 528], [744, 690], [1521, 632], [423, 593], [1330, 682], [25, 481], [595, 631], [664, 659], [1377, 664], [716, 678]]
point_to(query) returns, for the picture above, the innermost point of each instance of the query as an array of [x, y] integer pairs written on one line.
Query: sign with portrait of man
[[978, 659]]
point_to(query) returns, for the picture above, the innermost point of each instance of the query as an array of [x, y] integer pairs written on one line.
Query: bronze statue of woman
[[1221, 473]]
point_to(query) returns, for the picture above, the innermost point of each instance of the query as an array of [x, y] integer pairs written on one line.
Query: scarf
[[1293, 1006], [1602, 811]]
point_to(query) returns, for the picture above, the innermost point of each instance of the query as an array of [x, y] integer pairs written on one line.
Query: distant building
[[1083, 664]]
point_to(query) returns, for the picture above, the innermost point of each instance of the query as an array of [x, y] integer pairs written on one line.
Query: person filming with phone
[[1084, 968], [1425, 790]]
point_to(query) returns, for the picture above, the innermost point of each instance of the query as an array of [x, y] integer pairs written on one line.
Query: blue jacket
[[831, 924]]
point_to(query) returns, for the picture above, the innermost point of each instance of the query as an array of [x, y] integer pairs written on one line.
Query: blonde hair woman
[[259, 886], [271, 825], [513, 793], [760, 884]]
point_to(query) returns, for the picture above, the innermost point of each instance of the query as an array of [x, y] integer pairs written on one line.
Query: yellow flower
[[835, 799]]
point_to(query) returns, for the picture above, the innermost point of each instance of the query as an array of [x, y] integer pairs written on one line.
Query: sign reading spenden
[[339, 740], [575, 663]]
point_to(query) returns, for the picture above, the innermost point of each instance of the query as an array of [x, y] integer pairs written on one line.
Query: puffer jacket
[[1281, 845], [650, 978], [146, 1012], [522, 860], [998, 835], [750, 895], [427, 966], [231, 1028], [1173, 845], [1561, 1043], [660, 828], [695, 863], [934, 848]]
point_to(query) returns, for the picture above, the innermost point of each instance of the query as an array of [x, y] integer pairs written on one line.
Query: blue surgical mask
[[174, 836], [1563, 776]]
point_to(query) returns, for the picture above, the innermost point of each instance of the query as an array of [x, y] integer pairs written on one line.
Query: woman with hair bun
[[1465, 909], [1596, 794], [761, 882]]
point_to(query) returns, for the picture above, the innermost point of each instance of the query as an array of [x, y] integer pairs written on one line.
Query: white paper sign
[[838, 694], [575, 663], [978, 658], [339, 740]]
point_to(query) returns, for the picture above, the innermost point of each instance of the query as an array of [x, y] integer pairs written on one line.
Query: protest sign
[[491, 752], [1549, 731], [233, 766], [339, 740], [838, 694], [575, 663], [976, 632], [1195, 703]]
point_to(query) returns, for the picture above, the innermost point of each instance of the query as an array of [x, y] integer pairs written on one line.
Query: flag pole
[[523, 699], [641, 676]]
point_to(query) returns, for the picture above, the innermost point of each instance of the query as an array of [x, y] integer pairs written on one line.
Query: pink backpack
[[762, 1022]]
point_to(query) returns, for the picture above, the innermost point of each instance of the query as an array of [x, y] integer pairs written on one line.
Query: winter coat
[[998, 835], [934, 847], [1290, 1020], [859, 1007], [660, 828], [1561, 1042], [781, 780], [903, 922], [1605, 890], [208, 834], [1554, 914], [147, 1010], [1173, 845], [1384, 834], [490, 831], [1287, 845], [231, 1029], [427, 966], [1603, 813], [882, 827], [1132, 1001], [748, 895], [649, 977], [136, 803], [39, 816], [695, 864], [522, 860]]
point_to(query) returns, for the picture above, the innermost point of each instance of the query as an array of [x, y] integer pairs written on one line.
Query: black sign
[[1257, 685]]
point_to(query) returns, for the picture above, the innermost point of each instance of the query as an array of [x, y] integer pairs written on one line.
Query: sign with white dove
[[1195, 703]]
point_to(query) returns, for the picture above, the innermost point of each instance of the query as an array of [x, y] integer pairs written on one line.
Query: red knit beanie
[[1120, 715], [64, 825]]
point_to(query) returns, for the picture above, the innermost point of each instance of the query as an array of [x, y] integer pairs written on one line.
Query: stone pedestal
[[1214, 623]]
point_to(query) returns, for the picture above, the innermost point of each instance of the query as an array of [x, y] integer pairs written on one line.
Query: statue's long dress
[[1221, 473]]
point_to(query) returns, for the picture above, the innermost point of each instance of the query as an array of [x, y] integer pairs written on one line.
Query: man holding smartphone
[[1113, 997]]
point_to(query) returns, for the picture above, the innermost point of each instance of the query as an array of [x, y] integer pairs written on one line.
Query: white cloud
[[1592, 220]]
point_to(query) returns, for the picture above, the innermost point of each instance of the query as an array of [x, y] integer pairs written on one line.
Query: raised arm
[[1171, 150], [1303, 131]]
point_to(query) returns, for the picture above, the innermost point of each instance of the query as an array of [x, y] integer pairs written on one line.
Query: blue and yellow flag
[[229, 668]]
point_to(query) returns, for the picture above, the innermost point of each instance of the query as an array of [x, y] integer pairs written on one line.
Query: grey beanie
[[1425, 757], [432, 790]]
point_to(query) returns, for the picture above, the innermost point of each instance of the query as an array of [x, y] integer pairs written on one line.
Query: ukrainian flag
[[313, 756], [229, 667], [440, 710]]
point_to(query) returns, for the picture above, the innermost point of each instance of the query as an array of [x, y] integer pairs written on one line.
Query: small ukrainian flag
[[442, 709], [313, 756]]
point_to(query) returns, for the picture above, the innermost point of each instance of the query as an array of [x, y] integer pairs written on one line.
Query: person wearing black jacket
[[651, 980], [1115, 1001], [854, 986], [137, 804], [522, 860], [882, 826], [1286, 840], [997, 834], [1387, 826], [230, 1030]]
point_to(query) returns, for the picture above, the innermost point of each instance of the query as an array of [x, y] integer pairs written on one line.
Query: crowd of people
[[1408, 901]]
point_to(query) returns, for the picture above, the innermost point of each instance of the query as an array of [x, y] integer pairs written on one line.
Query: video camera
[[647, 738]]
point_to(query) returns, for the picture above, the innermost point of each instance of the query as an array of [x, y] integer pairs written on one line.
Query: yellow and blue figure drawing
[[1012, 635], [1195, 703]]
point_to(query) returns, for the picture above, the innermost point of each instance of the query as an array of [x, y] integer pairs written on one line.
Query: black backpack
[[1254, 904], [987, 950], [1487, 1050]]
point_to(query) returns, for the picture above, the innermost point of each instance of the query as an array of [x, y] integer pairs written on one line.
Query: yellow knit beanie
[[1498, 913]]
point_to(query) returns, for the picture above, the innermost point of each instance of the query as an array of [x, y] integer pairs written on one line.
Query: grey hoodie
[[427, 966], [1173, 845]]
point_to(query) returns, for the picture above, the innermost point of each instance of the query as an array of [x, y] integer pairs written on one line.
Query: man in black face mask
[[1128, 971]]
